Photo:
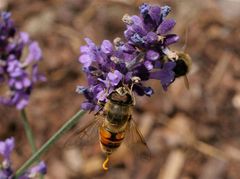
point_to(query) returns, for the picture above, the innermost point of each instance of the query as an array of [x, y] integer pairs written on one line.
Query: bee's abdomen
[[110, 140]]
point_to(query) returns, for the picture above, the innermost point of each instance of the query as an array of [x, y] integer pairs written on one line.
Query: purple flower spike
[[144, 55], [17, 73], [6, 171]]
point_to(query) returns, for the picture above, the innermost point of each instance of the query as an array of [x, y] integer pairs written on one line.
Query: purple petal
[[152, 55], [166, 26], [90, 43], [166, 75], [87, 106], [22, 101], [128, 33], [171, 39], [155, 13], [41, 168], [6, 147], [84, 49], [86, 60], [148, 65], [24, 37], [35, 53], [114, 77], [137, 20], [27, 82], [101, 96], [151, 37], [36, 76], [18, 85], [107, 47]]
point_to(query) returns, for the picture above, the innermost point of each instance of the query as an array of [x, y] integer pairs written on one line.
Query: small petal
[[151, 37], [85, 60], [84, 49], [34, 55], [22, 102], [6, 147], [114, 77], [148, 65], [87, 106], [171, 39], [41, 168], [24, 37], [155, 13], [165, 75], [166, 26], [107, 47], [152, 55]]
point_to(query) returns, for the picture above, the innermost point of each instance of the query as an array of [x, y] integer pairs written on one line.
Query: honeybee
[[183, 65], [113, 125]]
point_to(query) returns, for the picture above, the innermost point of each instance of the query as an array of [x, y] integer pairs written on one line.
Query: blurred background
[[192, 134]]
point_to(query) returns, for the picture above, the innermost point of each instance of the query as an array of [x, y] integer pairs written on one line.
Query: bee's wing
[[86, 135], [135, 141]]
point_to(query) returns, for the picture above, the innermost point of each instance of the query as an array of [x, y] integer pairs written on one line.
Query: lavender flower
[[150, 30], [144, 55], [6, 172], [18, 73]]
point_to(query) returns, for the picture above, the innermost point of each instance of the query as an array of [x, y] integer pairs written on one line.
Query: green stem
[[28, 131], [71, 122]]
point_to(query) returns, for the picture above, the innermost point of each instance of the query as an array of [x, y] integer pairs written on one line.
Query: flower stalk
[[28, 130], [29, 134], [70, 123]]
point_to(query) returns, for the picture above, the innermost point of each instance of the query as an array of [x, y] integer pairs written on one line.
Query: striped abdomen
[[110, 141]]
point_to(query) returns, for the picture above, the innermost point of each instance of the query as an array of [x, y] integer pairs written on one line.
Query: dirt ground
[[192, 134]]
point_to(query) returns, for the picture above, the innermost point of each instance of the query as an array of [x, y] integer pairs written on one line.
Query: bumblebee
[[113, 125], [183, 65]]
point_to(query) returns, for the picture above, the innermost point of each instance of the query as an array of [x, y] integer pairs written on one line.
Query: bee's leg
[[104, 165]]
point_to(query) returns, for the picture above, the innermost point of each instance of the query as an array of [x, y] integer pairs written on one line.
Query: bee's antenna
[[104, 165]]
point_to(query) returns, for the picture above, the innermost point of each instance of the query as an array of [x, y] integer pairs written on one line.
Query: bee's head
[[121, 95], [183, 64]]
